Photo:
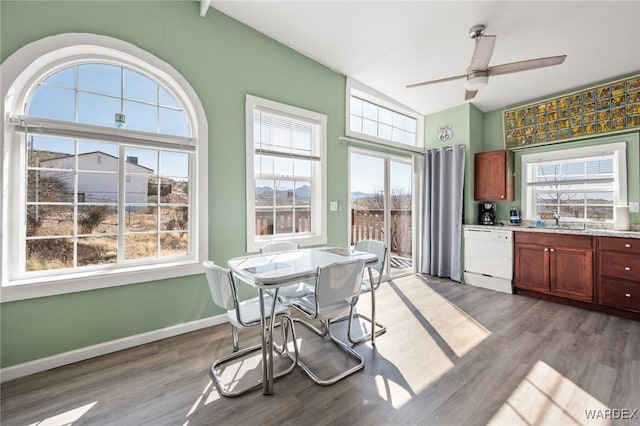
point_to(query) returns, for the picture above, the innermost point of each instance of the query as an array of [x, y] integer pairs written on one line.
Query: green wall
[[223, 60], [467, 123]]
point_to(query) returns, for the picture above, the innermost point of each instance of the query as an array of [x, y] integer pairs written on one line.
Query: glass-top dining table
[[269, 272]]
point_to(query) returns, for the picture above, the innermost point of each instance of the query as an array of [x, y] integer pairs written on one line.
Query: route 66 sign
[[445, 132]]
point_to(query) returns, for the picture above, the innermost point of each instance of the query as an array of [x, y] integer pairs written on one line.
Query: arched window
[[107, 169]]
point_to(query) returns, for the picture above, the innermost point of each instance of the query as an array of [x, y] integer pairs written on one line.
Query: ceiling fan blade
[[442, 80], [530, 64], [469, 94], [482, 53]]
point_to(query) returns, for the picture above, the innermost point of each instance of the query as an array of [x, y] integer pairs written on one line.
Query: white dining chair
[[278, 246], [370, 284], [336, 291], [243, 315], [299, 289]]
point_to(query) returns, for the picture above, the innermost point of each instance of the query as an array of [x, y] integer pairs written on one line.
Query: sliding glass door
[[381, 205]]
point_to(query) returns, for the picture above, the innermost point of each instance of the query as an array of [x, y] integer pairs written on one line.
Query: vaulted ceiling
[[387, 45]]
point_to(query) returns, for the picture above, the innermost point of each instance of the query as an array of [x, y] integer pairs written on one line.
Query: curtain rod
[[448, 148], [383, 147]]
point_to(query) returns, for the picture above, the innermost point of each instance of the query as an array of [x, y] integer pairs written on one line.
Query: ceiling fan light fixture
[[476, 80]]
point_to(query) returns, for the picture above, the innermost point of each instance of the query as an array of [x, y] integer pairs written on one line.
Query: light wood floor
[[453, 355]]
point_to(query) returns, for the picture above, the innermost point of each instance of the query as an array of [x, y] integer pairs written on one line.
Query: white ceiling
[[389, 44]]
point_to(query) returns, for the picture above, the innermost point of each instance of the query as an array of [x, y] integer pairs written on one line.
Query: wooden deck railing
[[369, 224], [366, 224]]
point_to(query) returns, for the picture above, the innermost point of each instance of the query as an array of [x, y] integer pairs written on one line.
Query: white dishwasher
[[488, 258]]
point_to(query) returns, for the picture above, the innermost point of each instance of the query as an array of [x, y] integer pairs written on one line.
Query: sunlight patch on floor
[[546, 397], [459, 330], [417, 348], [200, 398], [237, 373], [66, 418], [392, 392]]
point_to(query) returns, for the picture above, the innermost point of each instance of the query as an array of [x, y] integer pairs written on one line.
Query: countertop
[[562, 230]]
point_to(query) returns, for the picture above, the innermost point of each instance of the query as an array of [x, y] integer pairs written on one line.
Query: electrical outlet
[[333, 206], [634, 207]]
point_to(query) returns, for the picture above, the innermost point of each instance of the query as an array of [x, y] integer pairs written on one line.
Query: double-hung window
[[286, 152], [104, 185], [580, 184]]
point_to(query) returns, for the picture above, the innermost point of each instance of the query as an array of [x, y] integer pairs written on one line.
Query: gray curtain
[[442, 221]]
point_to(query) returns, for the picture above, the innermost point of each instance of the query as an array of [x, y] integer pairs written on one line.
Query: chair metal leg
[[243, 352], [234, 334], [337, 342], [380, 328], [375, 325]]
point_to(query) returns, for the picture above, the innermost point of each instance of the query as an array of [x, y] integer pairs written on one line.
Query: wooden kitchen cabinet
[[493, 176], [619, 272], [555, 264]]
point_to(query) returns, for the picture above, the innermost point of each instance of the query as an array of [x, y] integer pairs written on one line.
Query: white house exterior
[[100, 183]]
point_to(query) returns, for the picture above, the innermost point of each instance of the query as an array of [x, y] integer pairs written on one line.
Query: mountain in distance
[[358, 194], [303, 192]]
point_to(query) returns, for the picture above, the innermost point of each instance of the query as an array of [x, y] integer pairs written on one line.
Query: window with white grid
[[286, 149], [579, 185]]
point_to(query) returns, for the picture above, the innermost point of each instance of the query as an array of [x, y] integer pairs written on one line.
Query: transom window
[[106, 173], [374, 117], [581, 185], [285, 190], [375, 120]]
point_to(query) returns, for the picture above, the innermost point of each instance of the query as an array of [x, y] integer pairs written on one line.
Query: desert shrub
[[92, 218]]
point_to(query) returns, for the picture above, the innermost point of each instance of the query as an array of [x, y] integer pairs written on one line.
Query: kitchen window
[[106, 178], [286, 174], [581, 185]]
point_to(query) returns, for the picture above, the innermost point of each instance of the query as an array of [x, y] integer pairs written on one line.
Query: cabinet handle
[[627, 295], [627, 245], [546, 249], [627, 268], [502, 196], [552, 249]]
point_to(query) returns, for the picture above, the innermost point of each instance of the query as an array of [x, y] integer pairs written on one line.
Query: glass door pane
[[367, 198], [401, 232], [381, 206]]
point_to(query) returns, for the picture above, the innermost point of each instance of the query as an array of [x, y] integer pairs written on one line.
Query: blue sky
[[367, 174], [94, 94]]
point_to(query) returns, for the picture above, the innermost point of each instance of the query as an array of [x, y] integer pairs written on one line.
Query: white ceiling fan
[[479, 70]]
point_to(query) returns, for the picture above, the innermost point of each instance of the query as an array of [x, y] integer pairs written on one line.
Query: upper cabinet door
[[493, 176]]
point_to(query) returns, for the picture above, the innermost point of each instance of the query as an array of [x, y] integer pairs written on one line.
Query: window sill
[[71, 283]]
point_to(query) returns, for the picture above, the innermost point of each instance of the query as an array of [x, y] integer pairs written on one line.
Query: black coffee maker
[[487, 213]]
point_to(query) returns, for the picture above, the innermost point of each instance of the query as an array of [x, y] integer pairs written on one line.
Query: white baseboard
[[42, 364]]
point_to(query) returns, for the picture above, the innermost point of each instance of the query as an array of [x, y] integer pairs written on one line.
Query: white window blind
[[581, 185]]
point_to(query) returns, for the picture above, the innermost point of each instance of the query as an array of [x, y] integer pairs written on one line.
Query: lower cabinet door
[[531, 267], [572, 273]]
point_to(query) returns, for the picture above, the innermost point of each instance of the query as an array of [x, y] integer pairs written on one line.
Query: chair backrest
[[337, 282], [277, 246], [223, 290], [376, 247]]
